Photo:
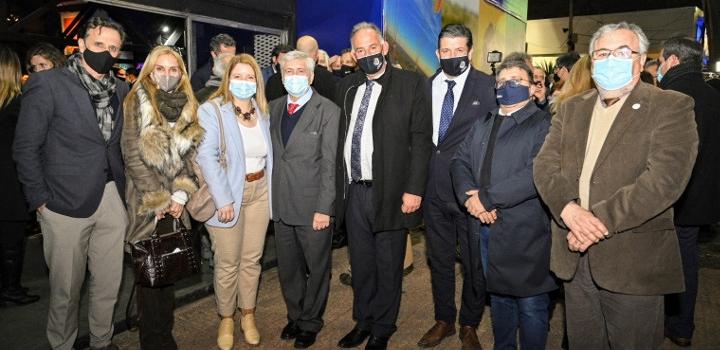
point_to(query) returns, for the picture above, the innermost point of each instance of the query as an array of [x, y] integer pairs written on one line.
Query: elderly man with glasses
[[615, 160]]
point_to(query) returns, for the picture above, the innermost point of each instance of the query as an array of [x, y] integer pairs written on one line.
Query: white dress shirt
[[439, 89], [366, 139]]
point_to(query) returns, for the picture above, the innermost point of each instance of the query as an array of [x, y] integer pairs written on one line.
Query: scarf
[[171, 105], [100, 93]]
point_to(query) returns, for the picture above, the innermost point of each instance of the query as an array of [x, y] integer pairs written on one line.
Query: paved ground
[[195, 323]]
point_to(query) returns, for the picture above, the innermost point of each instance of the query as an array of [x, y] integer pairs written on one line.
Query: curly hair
[[47, 51]]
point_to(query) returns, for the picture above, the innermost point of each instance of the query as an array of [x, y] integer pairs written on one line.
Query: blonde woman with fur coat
[[159, 139]]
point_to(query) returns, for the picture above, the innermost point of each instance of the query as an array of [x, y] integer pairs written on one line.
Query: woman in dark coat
[[492, 174], [13, 210]]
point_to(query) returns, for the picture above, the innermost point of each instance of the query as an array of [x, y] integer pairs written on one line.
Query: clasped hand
[[476, 208], [585, 228]]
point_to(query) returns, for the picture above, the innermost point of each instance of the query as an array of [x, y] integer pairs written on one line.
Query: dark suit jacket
[[519, 260], [12, 206], [402, 142], [699, 203], [323, 83], [303, 177], [201, 76], [640, 172], [476, 101], [60, 152]]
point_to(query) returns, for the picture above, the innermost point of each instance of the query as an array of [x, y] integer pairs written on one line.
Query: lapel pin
[[475, 103], [636, 106]]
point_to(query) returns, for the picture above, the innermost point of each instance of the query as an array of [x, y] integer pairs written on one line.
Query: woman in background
[[44, 56]]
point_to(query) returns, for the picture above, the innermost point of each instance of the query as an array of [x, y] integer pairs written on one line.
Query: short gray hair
[[297, 55], [366, 25], [608, 28]]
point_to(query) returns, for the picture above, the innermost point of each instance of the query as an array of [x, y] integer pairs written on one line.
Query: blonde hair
[[10, 75], [145, 81], [579, 81], [224, 90]]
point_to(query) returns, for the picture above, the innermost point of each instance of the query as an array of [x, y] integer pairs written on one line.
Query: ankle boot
[[11, 265], [250, 331], [225, 333]]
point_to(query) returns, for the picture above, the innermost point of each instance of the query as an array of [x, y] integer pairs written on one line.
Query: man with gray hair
[[303, 128], [615, 160], [220, 45], [384, 145]]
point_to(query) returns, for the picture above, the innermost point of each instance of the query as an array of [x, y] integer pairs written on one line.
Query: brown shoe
[[436, 334], [469, 338]]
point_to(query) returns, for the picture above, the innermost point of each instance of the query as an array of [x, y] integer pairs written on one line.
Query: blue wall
[[330, 21]]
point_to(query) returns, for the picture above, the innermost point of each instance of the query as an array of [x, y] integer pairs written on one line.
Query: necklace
[[246, 115]]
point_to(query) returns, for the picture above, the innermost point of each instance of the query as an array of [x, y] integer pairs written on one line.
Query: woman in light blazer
[[240, 190]]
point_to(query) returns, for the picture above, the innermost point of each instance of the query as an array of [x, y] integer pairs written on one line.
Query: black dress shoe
[[305, 339], [290, 331], [376, 343], [354, 338]]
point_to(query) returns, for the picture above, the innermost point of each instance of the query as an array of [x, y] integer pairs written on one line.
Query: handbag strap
[[177, 225], [221, 155]]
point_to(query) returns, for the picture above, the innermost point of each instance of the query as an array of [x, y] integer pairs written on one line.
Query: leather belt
[[366, 183], [255, 176]]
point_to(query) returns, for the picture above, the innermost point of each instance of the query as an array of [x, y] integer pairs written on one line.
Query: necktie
[[446, 113], [355, 167], [292, 107]]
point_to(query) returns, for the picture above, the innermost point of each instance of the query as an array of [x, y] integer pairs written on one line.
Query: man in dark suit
[[278, 51], [614, 162], [461, 95], [681, 70], [384, 145], [67, 149], [303, 128], [323, 83]]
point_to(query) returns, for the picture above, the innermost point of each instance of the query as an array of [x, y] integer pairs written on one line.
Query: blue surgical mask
[[243, 89], [296, 85], [512, 93], [613, 73], [660, 74]]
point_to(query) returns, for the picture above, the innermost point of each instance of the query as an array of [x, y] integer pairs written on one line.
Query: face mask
[[242, 89], [371, 64], [511, 94], [166, 82], [100, 62], [344, 71], [454, 66], [660, 74], [296, 85], [613, 73]]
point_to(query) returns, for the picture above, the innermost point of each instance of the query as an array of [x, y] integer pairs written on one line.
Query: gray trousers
[[303, 256], [70, 246], [600, 319]]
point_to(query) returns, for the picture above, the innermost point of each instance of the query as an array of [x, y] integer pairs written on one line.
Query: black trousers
[[445, 230], [680, 308], [12, 233], [155, 312], [303, 256], [12, 252], [376, 259]]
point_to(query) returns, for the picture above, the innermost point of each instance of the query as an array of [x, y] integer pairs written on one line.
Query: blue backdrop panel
[[330, 21]]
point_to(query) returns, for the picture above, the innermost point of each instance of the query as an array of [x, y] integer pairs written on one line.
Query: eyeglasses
[[510, 83], [621, 52]]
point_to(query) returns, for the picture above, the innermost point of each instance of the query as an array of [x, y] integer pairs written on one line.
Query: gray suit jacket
[[303, 177], [62, 158]]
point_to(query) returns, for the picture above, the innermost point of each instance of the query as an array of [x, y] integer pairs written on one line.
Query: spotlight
[[165, 29]]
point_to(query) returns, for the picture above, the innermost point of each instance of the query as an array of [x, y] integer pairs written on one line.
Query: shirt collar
[[521, 114], [302, 100]]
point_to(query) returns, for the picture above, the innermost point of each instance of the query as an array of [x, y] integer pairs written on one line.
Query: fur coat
[[157, 162]]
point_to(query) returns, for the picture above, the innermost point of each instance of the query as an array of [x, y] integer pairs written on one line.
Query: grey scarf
[[101, 91]]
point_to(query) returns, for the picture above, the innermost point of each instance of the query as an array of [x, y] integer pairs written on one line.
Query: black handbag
[[165, 259]]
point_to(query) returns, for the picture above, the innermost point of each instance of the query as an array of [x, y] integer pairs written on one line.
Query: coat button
[[438, 151]]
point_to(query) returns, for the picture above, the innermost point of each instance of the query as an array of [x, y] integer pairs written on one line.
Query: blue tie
[[446, 113], [355, 167]]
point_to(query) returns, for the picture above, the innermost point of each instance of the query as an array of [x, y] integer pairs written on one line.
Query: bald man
[[323, 83]]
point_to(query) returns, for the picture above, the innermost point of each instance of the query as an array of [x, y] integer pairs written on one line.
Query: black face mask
[[344, 71], [100, 62], [556, 78], [455, 66], [371, 64]]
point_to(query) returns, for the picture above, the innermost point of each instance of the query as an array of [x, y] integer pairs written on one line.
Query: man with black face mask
[[384, 146], [347, 64], [67, 149], [460, 96]]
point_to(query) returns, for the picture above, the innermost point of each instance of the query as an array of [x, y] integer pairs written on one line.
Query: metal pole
[[570, 42]]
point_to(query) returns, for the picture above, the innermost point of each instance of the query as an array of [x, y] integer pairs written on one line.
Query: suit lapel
[[306, 117], [82, 100], [466, 97], [276, 116], [629, 112]]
